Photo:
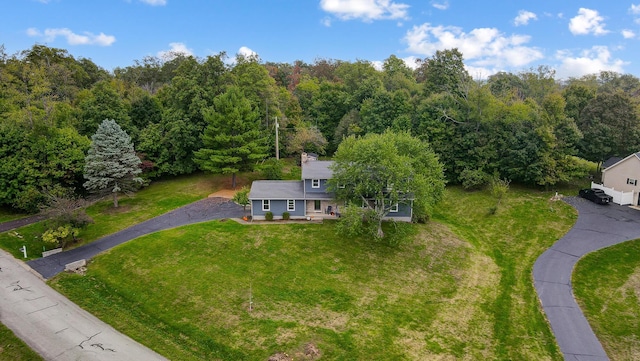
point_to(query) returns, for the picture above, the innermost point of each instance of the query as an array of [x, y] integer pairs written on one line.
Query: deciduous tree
[[379, 171]]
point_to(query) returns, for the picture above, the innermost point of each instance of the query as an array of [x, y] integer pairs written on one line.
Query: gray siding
[[403, 214], [277, 208], [308, 189]]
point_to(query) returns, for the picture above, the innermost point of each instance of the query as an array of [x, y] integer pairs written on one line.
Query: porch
[[324, 209]]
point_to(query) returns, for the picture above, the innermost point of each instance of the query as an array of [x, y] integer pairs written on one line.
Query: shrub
[[272, 168], [473, 179], [286, 215], [268, 216]]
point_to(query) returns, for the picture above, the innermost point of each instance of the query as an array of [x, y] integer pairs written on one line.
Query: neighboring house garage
[[623, 176]]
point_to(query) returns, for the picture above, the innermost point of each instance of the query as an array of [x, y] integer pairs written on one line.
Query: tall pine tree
[[111, 164], [233, 141]]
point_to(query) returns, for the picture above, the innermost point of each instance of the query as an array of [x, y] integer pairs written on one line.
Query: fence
[[621, 198]]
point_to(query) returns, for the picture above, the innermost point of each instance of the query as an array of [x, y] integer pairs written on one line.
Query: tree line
[[528, 127]]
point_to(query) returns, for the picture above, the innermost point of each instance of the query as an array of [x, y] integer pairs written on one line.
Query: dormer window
[[394, 208], [315, 183]]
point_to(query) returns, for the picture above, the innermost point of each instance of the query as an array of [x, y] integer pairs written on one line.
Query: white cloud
[[246, 52], [440, 5], [482, 47], [635, 9], [155, 2], [523, 17], [628, 34], [587, 22], [86, 38], [367, 10], [589, 61], [175, 49]]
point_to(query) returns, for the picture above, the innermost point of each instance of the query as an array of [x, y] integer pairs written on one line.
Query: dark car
[[595, 195]]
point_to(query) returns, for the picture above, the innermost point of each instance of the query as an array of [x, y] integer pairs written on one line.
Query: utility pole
[[277, 150]]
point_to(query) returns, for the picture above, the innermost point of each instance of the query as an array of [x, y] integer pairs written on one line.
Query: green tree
[[306, 139], [382, 170], [111, 164], [233, 141], [610, 125], [242, 198]]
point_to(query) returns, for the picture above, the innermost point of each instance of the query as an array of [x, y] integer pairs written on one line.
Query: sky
[[574, 37]]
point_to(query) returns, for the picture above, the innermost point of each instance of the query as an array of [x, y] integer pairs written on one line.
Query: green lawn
[[459, 287], [160, 197], [607, 287], [13, 349]]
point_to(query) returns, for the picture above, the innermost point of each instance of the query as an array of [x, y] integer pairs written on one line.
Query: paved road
[[597, 227], [55, 327], [20, 222], [200, 211]]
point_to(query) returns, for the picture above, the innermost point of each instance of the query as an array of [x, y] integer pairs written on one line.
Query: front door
[[317, 206]]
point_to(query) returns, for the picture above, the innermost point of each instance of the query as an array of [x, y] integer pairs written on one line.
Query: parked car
[[595, 195]]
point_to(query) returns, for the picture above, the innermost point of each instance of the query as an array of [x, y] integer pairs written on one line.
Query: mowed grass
[[459, 287], [13, 349], [160, 197], [606, 284], [525, 225]]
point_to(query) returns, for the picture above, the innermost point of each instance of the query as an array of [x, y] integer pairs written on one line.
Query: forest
[[527, 127]]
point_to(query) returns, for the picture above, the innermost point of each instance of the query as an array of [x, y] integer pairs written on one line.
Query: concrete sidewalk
[[55, 327], [597, 227]]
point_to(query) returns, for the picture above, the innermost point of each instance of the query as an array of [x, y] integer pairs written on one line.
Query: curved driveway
[[597, 227], [200, 211]]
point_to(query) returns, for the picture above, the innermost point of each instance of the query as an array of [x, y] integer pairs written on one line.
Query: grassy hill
[[459, 287]]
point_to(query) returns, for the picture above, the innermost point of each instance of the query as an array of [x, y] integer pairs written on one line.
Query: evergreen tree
[[111, 164], [233, 141]]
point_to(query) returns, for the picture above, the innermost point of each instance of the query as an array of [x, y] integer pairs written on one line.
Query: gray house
[[307, 198]]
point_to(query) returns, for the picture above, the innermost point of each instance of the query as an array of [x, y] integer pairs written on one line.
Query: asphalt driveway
[[203, 210], [597, 227]]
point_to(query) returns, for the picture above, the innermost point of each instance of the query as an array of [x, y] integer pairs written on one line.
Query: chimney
[[303, 158]]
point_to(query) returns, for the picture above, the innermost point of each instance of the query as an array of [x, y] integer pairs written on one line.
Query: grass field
[[607, 287], [459, 287], [13, 349], [160, 197]]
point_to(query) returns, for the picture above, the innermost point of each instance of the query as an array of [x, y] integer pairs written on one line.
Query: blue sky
[[575, 37]]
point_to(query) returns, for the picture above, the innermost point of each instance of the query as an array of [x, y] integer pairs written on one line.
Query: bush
[[473, 179], [272, 169], [268, 216], [286, 216]]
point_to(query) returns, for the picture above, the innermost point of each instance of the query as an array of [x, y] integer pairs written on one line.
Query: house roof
[[637, 155], [317, 169], [611, 161], [276, 189]]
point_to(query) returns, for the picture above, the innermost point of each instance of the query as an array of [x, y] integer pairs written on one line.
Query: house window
[[341, 186], [266, 205], [317, 206], [389, 186], [633, 182], [315, 183], [394, 208], [291, 205]]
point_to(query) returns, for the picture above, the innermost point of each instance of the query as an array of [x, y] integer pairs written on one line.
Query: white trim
[[313, 183], [394, 208], [266, 202], [289, 203]]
